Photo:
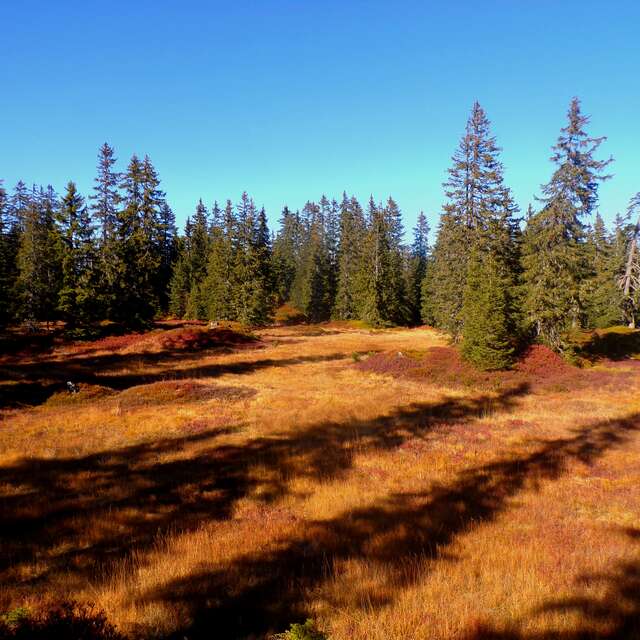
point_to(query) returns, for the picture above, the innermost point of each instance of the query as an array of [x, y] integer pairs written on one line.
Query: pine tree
[[352, 233], [136, 249], [600, 293], [105, 203], [219, 284], [488, 329], [478, 201], [197, 252], [9, 242], [554, 258], [416, 268], [76, 298], [286, 254], [374, 273], [254, 300], [39, 258], [168, 248], [313, 278]]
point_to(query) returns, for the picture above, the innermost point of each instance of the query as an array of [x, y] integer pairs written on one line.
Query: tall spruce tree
[[76, 298], [39, 258], [554, 258], [477, 200], [352, 233], [253, 299], [105, 204], [416, 268], [9, 242], [286, 254]]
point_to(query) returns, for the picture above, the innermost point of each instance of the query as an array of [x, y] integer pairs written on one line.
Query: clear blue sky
[[290, 100]]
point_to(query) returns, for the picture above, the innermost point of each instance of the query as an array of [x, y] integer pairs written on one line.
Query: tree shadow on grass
[[613, 616], [78, 515], [32, 384], [261, 592]]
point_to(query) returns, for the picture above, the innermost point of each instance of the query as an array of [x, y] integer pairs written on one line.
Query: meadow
[[209, 483]]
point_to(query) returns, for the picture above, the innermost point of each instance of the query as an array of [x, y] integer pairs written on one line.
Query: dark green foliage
[[39, 258], [9, 241], [219, 283], [602, 297], [253, 298], [488, 332], [76, 299], [352, 232], [478, 204], [416, 269], [286, 254], [305, 631], [555, 260]]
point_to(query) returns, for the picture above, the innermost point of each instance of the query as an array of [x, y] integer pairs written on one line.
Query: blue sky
[[290, 100]]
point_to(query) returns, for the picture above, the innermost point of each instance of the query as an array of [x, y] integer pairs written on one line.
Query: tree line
[[493, 279]]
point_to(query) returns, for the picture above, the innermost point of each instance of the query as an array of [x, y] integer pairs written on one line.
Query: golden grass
[[225, 493]]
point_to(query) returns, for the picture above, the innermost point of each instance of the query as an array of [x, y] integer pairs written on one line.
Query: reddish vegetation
[[539, 360], [173, 391], [186, 338], [538, 366]]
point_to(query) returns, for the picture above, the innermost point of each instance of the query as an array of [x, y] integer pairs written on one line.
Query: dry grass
[[202, 488]]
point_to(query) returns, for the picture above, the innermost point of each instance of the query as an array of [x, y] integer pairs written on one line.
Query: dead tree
[[630, 281]]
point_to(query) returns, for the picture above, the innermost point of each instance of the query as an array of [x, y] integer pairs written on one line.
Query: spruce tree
[[76, 298], [286, 254], [488, 329], [9, 242], [477, 200], [352, 233], [600, 293], [39, 258], [105, 204], [416, 268], [136, 248], [554, 258], [253, 298]]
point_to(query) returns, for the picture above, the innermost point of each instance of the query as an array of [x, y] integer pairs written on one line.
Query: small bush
[[306, 631], [66, 621]]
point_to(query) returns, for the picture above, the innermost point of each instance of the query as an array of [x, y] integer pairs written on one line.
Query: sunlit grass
[[242, 488]]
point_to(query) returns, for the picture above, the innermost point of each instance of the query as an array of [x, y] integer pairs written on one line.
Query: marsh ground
[[202, 485]]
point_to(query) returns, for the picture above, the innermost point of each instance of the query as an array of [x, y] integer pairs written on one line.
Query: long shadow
[[34, 383], [614, 616], [262, 592], [78, 514]]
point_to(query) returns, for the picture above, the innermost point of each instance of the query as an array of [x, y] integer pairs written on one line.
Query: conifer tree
[[477, 200], [136, 253], [197, 252], [219, 284], [9, 241], [253, 296], [373, 276], [488, 328], [554, 259], [352, 233], [416, 268], [76, 298], [600, 293], [286, 254], [105, 203], [39, 258]]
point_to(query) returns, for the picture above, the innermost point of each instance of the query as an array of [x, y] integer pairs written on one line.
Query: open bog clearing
[[207, 484]]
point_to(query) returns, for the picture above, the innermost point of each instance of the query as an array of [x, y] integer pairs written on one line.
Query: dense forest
[[493, 279]]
